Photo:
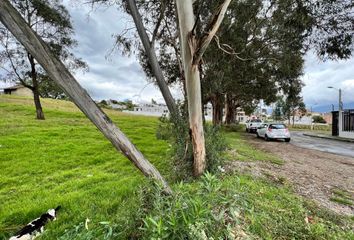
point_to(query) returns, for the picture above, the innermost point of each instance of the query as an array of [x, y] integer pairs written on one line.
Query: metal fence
[[348, 120]]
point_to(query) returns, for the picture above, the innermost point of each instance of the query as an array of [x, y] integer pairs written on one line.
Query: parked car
[[270, 131], [253, 125]]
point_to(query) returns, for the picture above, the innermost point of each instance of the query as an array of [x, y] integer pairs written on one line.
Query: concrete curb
[[329, 137]]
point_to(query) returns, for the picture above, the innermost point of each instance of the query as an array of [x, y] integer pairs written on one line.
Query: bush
[[198, 212], [176, 131], [318, 119]]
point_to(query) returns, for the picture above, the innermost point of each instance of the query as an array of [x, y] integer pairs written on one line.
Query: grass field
[[65, 161]]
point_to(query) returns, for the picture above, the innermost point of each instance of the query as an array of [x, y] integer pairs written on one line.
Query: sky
[[113, 76]]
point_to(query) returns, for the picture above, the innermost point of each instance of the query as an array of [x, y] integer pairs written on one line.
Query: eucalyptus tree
[[51, 21]]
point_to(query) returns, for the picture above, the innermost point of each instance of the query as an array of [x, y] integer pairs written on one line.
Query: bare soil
[[313, 174]]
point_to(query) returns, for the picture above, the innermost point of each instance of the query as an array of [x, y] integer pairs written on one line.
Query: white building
[[150, 110], [115, 105]]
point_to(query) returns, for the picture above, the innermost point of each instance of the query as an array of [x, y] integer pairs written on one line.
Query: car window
[[256, 120], [277, 126]]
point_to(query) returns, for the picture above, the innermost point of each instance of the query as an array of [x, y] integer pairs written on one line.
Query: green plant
[[318, 119], [194, 211], [176, 132]]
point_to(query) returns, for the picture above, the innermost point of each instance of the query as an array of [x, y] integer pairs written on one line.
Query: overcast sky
[[120, 77]]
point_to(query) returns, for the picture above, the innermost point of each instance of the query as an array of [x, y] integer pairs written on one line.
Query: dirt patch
[[313, 174]]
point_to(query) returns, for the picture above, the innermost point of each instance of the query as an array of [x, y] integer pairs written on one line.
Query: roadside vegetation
[[316, 127], [66, 161]]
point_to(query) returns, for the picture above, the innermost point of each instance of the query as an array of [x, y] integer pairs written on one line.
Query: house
[[343, 123], [241, 116], [18, 90]]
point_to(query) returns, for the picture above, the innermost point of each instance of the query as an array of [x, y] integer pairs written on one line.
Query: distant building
[[150, 110], [115, 105], [327, 117], [208, 111], [18, 90], [241, 116]]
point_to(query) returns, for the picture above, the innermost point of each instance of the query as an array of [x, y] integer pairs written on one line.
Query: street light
[[340, 104]]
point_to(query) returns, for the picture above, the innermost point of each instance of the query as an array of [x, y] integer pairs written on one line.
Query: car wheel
[[266, 137], [257, 135], [287, 139], [246, 129]]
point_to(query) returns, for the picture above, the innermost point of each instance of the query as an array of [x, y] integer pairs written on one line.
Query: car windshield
[[256, 120], [277, 126]]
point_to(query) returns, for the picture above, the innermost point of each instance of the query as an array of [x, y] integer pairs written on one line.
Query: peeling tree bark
[[193, 87], [150, 53], [192, 53], [58, 72]]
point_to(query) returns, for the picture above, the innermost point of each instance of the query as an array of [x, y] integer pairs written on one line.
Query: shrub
[[318, 119], [176, 131], [197, 212]]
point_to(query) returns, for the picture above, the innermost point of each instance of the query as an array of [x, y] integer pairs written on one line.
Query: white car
[[253, 125], [270, 131]]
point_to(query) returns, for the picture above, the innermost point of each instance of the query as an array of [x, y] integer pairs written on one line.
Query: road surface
[[324, 145]]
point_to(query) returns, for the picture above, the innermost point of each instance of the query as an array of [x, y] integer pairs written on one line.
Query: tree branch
[[159, 20], [213, 27]]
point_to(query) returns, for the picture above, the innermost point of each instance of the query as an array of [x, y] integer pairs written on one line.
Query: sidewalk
[[325, 136]]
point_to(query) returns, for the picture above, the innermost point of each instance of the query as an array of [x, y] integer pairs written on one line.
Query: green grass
[[66, 161], [342, 197], [241, 150]]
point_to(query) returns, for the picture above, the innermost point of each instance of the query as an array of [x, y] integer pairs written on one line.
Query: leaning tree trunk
[[151, 55], [58, 72], [193, 87], [35, 89]]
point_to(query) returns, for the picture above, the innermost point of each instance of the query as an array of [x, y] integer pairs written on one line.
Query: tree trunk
[[192, 76], [58, 72], [230, 109], [35, 89], [150, 53], [37, 103], [216, 101]]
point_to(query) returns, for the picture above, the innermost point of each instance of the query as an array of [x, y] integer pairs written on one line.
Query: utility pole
[[340, 100]]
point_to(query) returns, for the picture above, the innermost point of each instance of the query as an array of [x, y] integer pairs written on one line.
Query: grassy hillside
[[65, 161]]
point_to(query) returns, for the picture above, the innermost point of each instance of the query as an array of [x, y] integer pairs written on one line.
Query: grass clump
[[342, 197]]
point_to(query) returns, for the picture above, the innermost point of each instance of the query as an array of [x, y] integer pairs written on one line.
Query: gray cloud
[[319, 75]]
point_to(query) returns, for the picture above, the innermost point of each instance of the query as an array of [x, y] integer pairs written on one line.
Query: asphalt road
[[324, 145]]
